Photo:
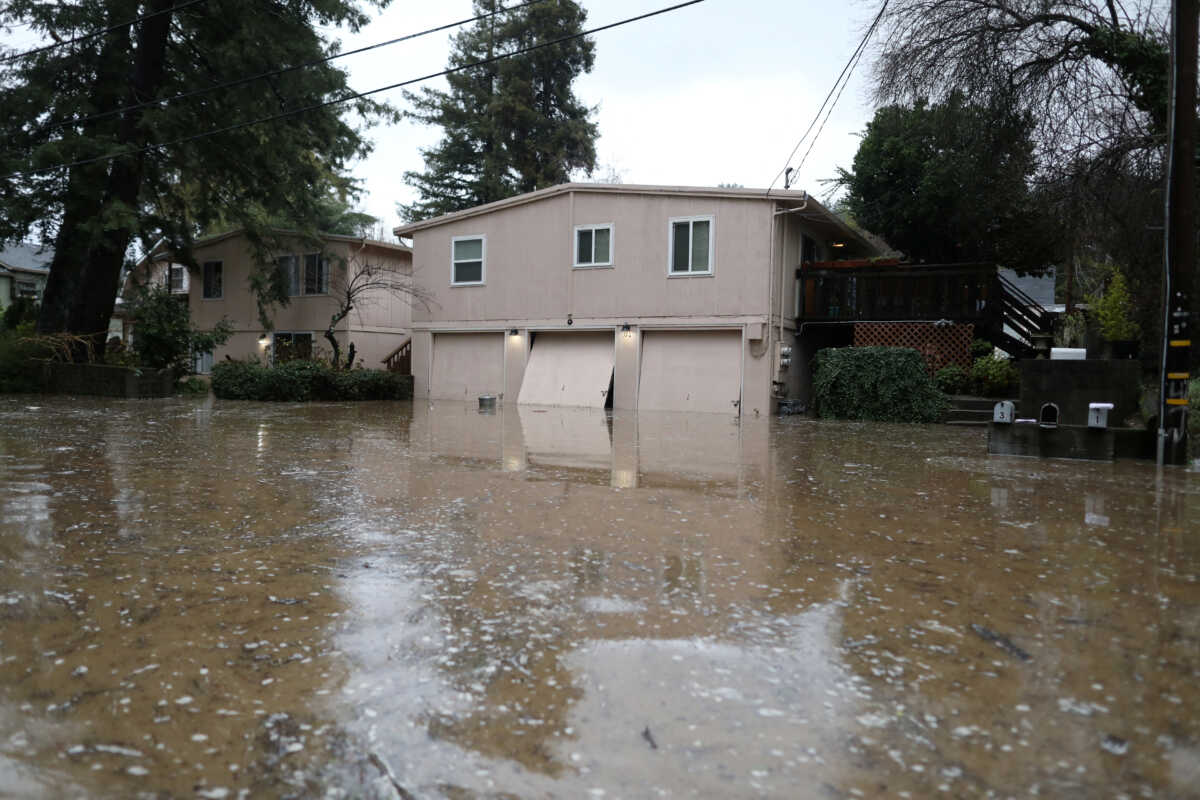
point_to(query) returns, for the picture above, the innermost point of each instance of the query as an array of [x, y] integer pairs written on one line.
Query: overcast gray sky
[[713, 93]]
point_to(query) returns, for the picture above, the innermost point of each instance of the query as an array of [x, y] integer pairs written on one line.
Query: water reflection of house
[[218, 285], [649, 297]]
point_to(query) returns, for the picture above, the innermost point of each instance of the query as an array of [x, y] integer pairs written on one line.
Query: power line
[[839, 85], [283, 70], [101, 32], [353, 95]]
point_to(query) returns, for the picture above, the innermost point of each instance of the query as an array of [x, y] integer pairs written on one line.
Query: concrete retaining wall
[[106, 381], [1074, 384]]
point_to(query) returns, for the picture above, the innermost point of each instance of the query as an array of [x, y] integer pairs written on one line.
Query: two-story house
[[219, 287], [648, 297]]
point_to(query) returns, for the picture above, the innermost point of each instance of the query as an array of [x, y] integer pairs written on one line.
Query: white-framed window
[[468, 255], [213, 280], [594, 245], [691, 246], [177, 282], [304, 274], [291, 345], [26, 289]]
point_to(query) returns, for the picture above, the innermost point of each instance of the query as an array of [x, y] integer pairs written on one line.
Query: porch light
[[626, 331], [838, 244], [264, 339], [514, 332]]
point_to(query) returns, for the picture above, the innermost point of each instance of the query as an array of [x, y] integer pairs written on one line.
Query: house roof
[[26, 257], [329, 237], [813, 211]]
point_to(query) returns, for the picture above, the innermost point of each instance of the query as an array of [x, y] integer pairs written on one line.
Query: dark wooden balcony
[[974, 293]]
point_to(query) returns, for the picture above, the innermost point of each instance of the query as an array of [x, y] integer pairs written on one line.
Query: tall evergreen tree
[[512, 125], [949, 182], [108, 105]]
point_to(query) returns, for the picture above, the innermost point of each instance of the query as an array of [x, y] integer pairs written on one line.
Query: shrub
[[20, 360], [163, 335], [993, 376], [887, 384], [299, 381], [980, 348], [1114, 311], [952, 379], [22, 311]]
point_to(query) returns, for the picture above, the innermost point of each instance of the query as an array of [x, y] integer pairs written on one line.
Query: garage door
[[691, 371], [466, 365], [568, 369]]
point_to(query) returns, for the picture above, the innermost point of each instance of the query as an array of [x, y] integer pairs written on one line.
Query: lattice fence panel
[[941, 345]]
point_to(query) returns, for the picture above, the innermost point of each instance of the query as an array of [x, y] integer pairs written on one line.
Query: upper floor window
[[307, 274], [213, 279], [691, 246], [593, 245], [177, 282], [467, 257]]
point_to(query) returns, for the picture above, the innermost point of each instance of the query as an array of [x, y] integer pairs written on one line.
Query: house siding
[[530, 283]]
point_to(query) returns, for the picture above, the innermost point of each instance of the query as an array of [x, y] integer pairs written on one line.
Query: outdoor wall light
[[264, 339], [626, 331], [514, 332]]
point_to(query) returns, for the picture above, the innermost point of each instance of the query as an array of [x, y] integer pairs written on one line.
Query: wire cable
[[101, 32], [283, 70], [352, 95], [842, 79]]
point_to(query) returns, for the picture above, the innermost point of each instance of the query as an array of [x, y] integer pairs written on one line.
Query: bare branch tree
[[359, 282], [1092, 73]]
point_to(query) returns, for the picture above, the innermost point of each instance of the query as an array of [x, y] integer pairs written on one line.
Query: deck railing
[[400, 359], [957, 292], [974, 293]]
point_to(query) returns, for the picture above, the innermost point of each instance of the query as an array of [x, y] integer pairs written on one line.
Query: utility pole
[[1180, 235]]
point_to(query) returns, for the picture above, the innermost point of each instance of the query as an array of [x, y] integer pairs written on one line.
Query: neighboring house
[[24, 268], [649, 297], [219, 288]]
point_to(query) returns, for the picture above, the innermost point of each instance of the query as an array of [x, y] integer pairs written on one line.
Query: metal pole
[[1180, 234]]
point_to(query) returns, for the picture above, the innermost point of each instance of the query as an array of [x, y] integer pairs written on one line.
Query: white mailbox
[[1003, 412], [1098, 414]]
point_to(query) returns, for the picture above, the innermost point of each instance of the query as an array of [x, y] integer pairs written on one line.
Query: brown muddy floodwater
[[223, 600]]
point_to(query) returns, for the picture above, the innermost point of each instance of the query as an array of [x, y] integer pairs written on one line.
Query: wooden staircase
[[1022, 315]]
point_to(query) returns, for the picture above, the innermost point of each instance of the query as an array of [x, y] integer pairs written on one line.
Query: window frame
[[576, 263], [322, 266], [454, 240], [181, 271], [298, 269], [204, 281], [711, 219], [312, 340]]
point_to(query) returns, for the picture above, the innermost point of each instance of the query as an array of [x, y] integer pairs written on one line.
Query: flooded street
[[222, 600]]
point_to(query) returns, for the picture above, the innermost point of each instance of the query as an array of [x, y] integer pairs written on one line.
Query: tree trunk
[[338, 316], [85, 274]]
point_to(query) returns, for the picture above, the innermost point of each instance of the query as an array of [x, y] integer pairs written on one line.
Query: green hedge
[[888, 384], [305, 380]]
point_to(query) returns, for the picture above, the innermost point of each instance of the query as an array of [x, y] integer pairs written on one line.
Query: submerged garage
[[691, 371], [569, 369], [466, 365]]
